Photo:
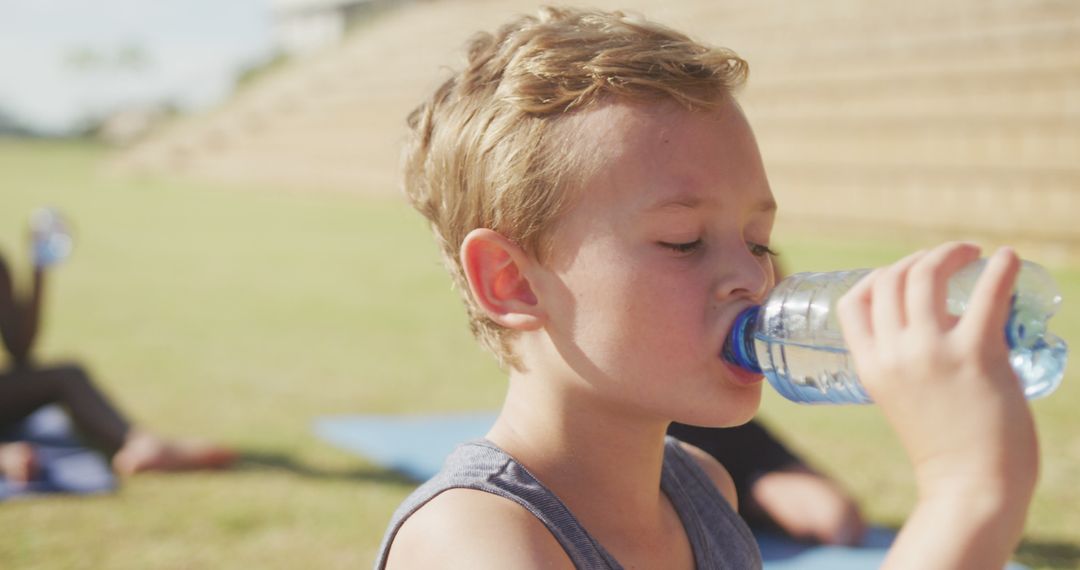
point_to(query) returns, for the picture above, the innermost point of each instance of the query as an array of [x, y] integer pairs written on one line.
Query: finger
[[989, 307], [853, 312], [928, 284], [887, 307]]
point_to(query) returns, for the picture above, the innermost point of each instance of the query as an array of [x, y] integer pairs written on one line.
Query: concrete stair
[[958, 119]]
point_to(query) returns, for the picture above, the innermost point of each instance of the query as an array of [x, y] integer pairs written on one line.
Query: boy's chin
[[728, 408], [729, 420]]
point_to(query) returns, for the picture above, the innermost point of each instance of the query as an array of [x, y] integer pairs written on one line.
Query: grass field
[[240, 314]]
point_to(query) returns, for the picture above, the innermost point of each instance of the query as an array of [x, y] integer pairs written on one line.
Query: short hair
[[484, 149]]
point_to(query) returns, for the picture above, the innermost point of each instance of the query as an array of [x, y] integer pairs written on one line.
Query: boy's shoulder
[[474, 529], [717, 473]]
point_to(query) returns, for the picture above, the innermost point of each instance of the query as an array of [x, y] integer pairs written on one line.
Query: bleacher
[[936, 119]]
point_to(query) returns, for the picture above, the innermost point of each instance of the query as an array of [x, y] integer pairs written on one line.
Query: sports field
[[239, 314]]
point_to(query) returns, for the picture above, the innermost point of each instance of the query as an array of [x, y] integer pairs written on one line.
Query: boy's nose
[[744, 276]]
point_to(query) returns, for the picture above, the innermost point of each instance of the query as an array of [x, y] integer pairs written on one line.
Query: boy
[[600, 202]]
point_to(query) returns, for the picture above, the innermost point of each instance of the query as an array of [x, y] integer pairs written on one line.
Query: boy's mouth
[[737, 373], [741, 375]]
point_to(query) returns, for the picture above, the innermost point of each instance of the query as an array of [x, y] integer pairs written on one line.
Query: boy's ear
[[496, 269]]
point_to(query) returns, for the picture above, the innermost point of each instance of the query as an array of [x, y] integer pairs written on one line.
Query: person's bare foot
[[18, 462], [148, 452]]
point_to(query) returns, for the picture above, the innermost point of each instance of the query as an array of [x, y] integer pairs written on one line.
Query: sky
[[192, 50]]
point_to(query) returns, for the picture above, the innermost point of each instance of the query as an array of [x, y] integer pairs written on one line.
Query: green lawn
[[240, 314]]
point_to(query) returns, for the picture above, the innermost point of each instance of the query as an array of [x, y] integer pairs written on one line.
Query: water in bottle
[[794, 337]]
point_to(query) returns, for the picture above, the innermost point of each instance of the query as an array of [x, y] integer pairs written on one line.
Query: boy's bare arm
[[945, 385], [463, 528]]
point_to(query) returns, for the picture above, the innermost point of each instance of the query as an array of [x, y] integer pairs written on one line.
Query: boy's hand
[[945, 385]]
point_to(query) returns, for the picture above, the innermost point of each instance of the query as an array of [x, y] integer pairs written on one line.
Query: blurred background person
[[26, 387]]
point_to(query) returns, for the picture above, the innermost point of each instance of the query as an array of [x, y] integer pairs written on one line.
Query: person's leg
[[132, 450], [18, 462], [145, 451], [24, 391]]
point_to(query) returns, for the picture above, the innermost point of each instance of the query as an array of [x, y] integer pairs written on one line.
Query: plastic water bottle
[[50, 239], [794, 338]]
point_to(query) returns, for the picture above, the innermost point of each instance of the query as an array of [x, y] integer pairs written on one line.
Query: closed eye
[[688, 247], [761, 250]]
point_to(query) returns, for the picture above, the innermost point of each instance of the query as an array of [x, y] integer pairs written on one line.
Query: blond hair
[[483, 151]]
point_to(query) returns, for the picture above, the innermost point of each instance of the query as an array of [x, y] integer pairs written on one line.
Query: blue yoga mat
[[65, 464], [416, 446]]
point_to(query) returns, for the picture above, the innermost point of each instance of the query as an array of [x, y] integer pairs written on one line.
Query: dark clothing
[[24, 391], [746, 451]]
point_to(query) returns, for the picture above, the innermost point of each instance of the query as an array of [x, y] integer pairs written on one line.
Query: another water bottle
[[50, 239], [794, 338]]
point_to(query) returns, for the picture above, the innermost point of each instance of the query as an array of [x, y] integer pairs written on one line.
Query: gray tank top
[[719, 537]]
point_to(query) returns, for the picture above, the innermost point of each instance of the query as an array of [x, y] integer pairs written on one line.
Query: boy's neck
[[617, 458]]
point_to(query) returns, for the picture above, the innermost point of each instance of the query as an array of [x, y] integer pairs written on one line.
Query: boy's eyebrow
[[693, 201]]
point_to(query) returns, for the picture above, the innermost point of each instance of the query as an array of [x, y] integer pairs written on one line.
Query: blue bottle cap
[[739, 346]]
